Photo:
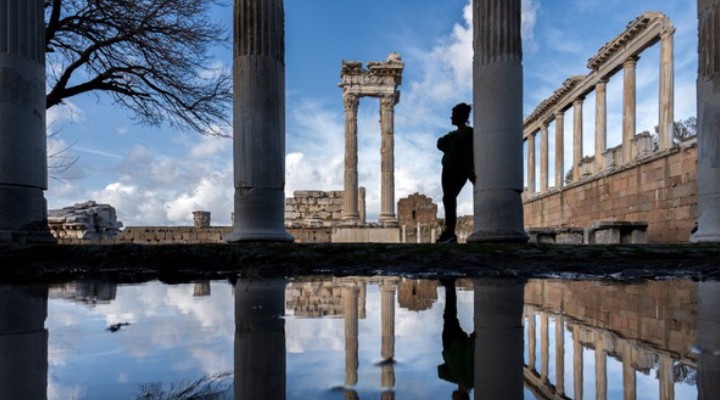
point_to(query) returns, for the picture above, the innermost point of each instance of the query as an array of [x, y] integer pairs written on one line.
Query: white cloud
[[529, 18]]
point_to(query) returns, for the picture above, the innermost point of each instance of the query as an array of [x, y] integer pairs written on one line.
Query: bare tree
[[150, 56]]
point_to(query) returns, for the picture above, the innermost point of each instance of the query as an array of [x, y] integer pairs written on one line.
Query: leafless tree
[[150, 56]]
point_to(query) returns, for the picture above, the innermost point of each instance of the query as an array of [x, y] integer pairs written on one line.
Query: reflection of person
[[458, 348], [457, 167]]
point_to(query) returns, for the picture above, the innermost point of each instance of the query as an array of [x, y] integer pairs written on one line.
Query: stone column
[[361, 205], [708, 103], [23, 152], [387, 315], [259, 339], [577, 363], [708, 326], [666, 378], [387, 161], [600, 367], [629, 375], [560, 355], [201, 289], [667, 88], [544, 150], [23, 342], [259, 122], [559, 150], [532, 340], [350, 215], [629, 107], [577, 137], [544, 347], [498, 122], [499, 339], [531, 163], [600, 124], [350, 311]]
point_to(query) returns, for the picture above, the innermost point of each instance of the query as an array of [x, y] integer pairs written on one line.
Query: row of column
[[259, 120], [665, 374], [665, 123]]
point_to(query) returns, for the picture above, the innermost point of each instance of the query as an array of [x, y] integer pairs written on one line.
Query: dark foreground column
[[498, 121], [499, 340], [23, 155], [259, 339], [708, 124], [259, 122], [23, 342], [708, 326]]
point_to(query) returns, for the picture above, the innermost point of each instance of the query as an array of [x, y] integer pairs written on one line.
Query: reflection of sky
[[174, 336]]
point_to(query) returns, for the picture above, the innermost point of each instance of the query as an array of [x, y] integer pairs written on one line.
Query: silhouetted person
[[458, 348], [457, 167]]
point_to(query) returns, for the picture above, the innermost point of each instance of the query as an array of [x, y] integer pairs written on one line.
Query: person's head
[[460, 114]]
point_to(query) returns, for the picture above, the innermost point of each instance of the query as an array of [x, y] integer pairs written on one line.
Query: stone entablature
[[87, 221], [318, 209]]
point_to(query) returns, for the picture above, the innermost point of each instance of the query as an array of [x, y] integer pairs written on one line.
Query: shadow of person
[[458, 348]]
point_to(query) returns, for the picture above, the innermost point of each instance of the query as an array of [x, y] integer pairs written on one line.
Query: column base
[[389, 221], [23, 216], [259, 216], [498, 236], [350, 221]]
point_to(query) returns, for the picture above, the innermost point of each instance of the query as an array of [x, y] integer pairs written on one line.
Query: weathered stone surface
[[87, 221]]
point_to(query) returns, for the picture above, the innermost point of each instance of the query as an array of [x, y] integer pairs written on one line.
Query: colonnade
[[622, 53]]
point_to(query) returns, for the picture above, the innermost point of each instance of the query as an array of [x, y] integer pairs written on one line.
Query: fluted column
[[577, 363], [708, 112], [577, 136], [560, 355], [667, 88], [350, 215], [531, 163], [23, 342], [600, 368], [387, 161], [600, 124], [498, 122], [629, 374], [23, 153], [559, 150], [259, 339], [350, 311], [544, 347], [499, 339], [259, 122], [629, 107], [544, 149]]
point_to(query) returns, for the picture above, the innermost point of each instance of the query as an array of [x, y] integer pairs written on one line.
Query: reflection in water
[[23, 342], [364, 338]]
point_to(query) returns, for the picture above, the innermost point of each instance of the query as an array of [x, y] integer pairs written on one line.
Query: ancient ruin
[[380, 79], [87, 222]]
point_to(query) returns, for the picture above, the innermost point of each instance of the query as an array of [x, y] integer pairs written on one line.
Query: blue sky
[[158, 176]]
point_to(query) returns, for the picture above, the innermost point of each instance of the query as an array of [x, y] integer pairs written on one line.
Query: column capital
[[602, 84], [667, 31], [578, 101], [559, 115], [631, 62], [388, 101], [351, 102]]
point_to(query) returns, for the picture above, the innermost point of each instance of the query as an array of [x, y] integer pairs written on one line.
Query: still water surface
[[360, 338]]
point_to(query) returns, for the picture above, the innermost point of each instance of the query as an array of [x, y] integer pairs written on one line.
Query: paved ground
[[176, 263]]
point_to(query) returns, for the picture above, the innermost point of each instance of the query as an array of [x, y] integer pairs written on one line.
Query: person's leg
[[451, 325], [452, 184]]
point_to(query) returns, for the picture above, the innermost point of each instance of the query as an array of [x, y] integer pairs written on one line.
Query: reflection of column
[[23, 155], [667, 87], [629, 107], [544, 347], [387, 312], [667, 378], [559, 149], [259, 122], [560, 355], [577, 137], [350, 310], [600, 124], [23, 343], [531, 340], [600, 368], [531, 163], [629, 375], [498, 122], [708, 123], [708, 299], [544, 138], [259, 339], [201, 289], [387, 161], [350, 214], [499, 339], [577, 364]]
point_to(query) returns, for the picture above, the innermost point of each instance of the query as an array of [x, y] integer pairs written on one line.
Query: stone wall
[[317, 209], [660, 190], [172, 235]]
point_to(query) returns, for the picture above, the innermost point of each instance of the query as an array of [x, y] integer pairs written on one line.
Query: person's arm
[[468, 156], [444, 142]]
